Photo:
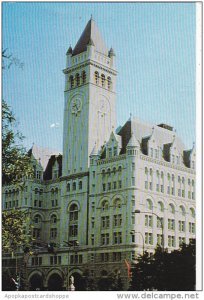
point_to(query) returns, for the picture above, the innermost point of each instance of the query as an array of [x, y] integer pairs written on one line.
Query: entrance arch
[[36, 282], [55, 282]]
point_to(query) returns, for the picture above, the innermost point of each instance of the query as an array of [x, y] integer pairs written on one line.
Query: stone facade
[[113, 193]]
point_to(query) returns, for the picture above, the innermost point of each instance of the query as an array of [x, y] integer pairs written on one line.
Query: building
[[113, 194]]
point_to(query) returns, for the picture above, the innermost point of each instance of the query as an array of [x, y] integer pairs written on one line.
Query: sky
[[155, 55]]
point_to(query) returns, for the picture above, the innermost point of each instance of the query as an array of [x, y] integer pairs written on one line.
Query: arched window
[[104, 205], [171, 208], [37, 219], [149, 204], [74, 186], [53, 219], [117, 204], [71, 81], [120, 168], [96, 77], [80, 185], [192, 212], [73, 220], [73, 212], [182, 210], [146, 170], [114, 170], [83, 77], [77, 79], [160, 206], [103, 80], [68, 187], [109, 83]]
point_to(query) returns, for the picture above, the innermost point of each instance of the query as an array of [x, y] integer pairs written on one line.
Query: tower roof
[[90, 33]]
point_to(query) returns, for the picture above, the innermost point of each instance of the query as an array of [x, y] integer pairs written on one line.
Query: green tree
[[165, 271], [16, 164]]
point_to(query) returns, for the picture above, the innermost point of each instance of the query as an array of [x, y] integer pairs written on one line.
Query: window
[[148, 221], [103, 80], [109, 83], [80, 185], [171, 241], [119, 184], [96, 77], [77, 79], [192, 227], [171, 224], [105, 239], [182, 210], [53, 233], [171, 208], [160, 206], [149, 204], [104, 187], [117, 220], [74, 186], [192, 212], [160, 222], [55, 260], [148, 238], [83, 77], [115, 151], [53, 219], [73, 230], [73, 213], [109, 186], [105, 222], [71, 81], [181, 226], [117, 238], [133, 181], [104, 257], [104, 205], [68, 187]]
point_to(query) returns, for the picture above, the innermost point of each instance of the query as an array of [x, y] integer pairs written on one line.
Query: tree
[[165, 271], [16, 164], [15, 230]]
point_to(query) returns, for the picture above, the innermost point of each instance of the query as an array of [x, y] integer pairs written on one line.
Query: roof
[[133, 142], [90, 35], [42, 154]]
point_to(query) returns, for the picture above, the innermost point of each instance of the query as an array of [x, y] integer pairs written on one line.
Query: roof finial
[[91, 17]]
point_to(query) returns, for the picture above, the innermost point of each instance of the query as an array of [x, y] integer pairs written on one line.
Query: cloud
[[55, 125]]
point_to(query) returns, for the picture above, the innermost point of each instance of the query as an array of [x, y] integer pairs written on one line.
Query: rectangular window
[[157, 187], [182, 226], [117, 237], [119, 184], [104, 187], [114, 185], [73, 230], [179, 192], [146, 185], [150, 185], [148, 238], [168, 190], [116, 256], [117, 220], [109, 186], [171, 224], [183, 193]]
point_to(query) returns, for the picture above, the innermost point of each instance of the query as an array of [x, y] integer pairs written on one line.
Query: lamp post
[[134, 232], [70, 281], [137, 211]]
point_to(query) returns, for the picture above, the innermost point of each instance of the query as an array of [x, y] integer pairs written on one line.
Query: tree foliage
[[16, 231], [16, 164], [165, 271]]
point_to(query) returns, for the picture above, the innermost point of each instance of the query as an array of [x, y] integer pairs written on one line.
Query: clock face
[[76, 106]]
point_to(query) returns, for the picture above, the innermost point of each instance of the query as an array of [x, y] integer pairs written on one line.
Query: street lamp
[[137, 211], [134, 232]]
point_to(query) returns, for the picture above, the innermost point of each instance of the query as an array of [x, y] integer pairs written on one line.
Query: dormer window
[[115, 151], [38, 174]]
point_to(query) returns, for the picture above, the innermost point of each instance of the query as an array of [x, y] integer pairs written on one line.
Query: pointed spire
[[69, 51], [133, 142], [92, 33], [94, 152], [111, 52]]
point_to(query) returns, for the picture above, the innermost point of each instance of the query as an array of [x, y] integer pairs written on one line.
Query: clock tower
[[89, 107]]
